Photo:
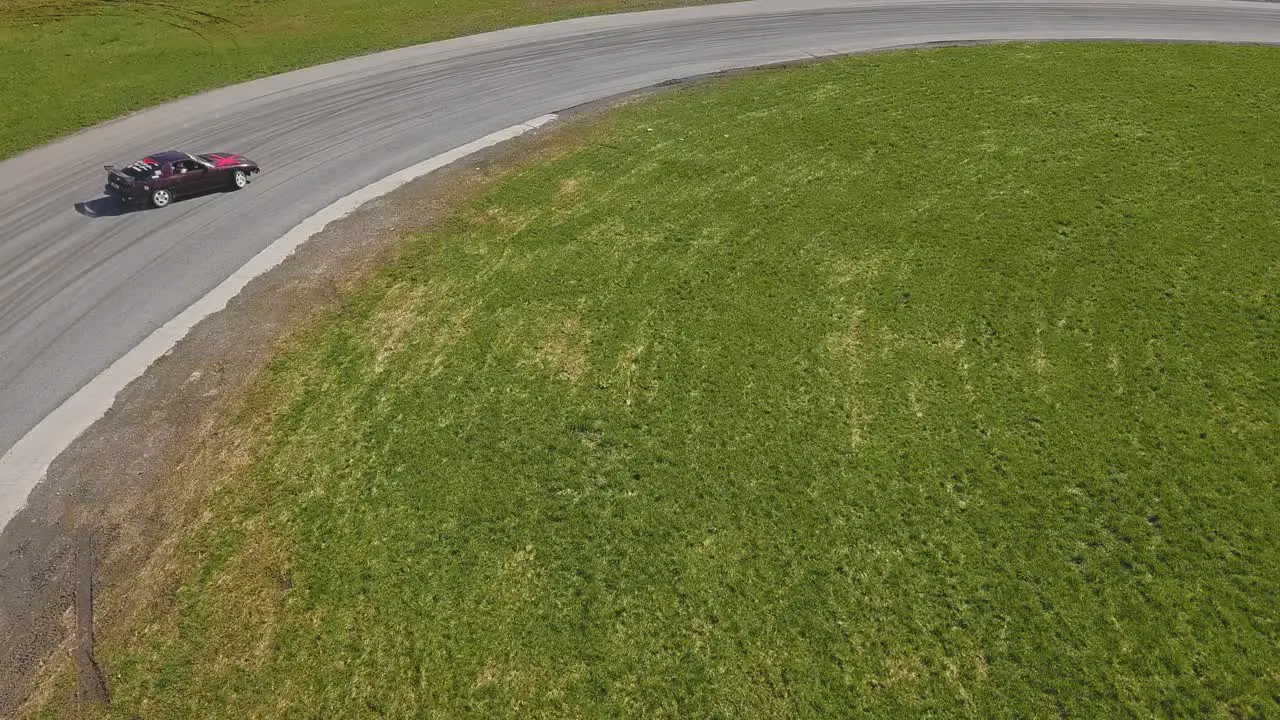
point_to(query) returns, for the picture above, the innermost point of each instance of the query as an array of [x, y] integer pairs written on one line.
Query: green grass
[[929, 383], [70, 64]]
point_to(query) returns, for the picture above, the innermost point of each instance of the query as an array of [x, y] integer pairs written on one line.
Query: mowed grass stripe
[[926, 382]]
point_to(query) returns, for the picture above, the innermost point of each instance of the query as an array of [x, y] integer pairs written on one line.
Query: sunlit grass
[[932, 382]]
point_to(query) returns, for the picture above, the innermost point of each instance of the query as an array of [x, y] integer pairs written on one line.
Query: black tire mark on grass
[[196, 22], [217, 19], [126, 16]]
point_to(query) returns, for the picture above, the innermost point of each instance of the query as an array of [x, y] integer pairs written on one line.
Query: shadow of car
[[105, 206]]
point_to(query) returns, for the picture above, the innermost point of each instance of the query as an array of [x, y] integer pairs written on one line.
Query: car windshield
[[143, 169]]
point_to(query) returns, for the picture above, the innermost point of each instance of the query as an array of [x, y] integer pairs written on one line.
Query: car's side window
[[182, 167]]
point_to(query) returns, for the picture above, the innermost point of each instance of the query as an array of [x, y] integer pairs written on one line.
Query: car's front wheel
[[160, 198], [239, 179]]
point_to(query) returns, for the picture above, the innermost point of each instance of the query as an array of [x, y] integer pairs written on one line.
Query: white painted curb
[[26, 463]]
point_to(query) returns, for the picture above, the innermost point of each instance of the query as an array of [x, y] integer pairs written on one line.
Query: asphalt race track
[[79, 288]]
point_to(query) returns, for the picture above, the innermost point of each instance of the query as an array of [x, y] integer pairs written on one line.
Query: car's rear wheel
[[160, 198], [239, 179]]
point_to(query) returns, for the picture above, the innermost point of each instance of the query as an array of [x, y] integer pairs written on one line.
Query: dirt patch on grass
[[847, 347], [564, 351], [569, 187]]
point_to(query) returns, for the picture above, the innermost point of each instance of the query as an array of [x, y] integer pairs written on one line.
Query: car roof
[[165, 156]]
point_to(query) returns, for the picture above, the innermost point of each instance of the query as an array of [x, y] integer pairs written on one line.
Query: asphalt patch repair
[[107, 512]]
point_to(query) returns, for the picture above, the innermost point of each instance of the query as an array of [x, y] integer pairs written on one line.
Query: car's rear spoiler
[[113, 171]]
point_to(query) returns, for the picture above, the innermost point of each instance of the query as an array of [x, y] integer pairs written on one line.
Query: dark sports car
[[160, 177]]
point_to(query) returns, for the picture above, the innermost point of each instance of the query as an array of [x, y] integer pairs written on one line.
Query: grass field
[[921, 383], [70, 64]]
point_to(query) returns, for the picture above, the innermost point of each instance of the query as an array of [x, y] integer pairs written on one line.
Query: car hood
[[221, 160]]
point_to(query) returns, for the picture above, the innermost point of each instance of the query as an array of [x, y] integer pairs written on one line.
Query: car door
[[214, 178], [191, 177]]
